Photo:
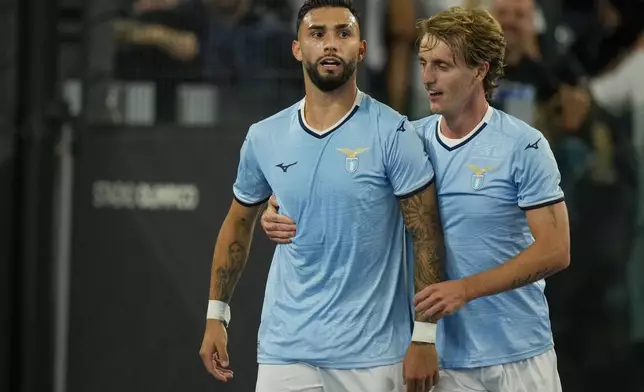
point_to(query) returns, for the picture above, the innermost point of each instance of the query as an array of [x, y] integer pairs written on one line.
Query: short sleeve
[[250, 188], [536, 173], [408, 166]]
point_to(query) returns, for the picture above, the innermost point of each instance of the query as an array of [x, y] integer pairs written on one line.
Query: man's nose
[[429, 76], [331, 43]]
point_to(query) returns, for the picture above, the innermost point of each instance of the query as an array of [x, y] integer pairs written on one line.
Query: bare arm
[[182, 45], [231, 250], [422, 220], [549, 254]]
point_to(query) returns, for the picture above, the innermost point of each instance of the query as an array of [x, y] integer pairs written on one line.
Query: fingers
[[213, 367], [423, 294], [274, 219], [414, 385], [220, 363], [279, 233], [420, 386], [206, 357], [428, 302], [436, 312], [222, 355], [272, 203], [221, 372], [428, 384], [278, 228]]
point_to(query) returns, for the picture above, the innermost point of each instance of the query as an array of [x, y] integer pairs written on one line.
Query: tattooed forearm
[[533, 277], [231, 253], [422, 220], [228, 274]]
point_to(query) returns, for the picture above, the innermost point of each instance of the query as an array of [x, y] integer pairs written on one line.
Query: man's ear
[[363, 50], [482, 70], [297, 50]]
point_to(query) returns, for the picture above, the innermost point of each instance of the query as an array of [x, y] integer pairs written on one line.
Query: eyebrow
[[433, 61], [323, 27]]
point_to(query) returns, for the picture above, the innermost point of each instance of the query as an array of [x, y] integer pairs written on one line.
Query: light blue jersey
[[485, 182], [339, 296]]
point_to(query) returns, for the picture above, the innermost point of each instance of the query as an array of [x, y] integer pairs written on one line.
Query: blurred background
[[120, 129]]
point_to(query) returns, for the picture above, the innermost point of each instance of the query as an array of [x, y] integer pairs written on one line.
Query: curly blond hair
[[472, 32]]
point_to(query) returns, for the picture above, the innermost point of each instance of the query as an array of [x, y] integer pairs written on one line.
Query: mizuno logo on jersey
[[285, 167], [534, 145], [351, 161]]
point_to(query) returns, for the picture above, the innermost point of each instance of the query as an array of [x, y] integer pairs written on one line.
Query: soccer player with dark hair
[[338, 309]]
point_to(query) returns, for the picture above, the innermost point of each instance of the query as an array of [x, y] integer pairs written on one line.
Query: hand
[[575, 104], [213, 350], [441, 299], [420, 367], [278, 228]]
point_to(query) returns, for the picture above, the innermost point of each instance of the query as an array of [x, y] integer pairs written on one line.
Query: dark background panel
[[140, 272], [7, 256]]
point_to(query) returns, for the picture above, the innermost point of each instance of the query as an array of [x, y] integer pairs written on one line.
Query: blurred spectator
[[247, 54], [234, 44], [621, 91], [596, 156], [160, 42], [527, 82]]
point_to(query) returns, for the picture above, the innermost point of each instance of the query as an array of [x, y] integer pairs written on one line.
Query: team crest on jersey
[[478, 175], [351, 162]]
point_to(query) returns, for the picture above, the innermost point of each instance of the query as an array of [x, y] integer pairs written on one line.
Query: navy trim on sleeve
[[418, 190], [250, 204], [541, 205]]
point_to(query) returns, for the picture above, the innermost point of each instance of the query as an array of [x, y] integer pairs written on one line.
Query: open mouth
[[330, 63], [434, 93]]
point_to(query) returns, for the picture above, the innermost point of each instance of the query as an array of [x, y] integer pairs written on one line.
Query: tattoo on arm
[[533, 277], [230, 261], [422, 220], [229, 274]]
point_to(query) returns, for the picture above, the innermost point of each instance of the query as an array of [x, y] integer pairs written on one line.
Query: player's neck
[[461, 124], [324, 109]]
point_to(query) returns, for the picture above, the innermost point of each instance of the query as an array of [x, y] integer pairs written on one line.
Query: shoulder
[[278, 122], [528, 144], [425, 126], [387, 118], [514, 129]]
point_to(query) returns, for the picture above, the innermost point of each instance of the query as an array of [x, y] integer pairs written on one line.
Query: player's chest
[[343, 166], [479, 169]]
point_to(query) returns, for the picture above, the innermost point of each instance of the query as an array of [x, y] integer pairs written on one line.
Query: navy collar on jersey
[[305, 126], [463, 141]]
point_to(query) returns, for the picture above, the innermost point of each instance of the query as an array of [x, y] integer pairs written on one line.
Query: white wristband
[[218, 310], [424, 332]]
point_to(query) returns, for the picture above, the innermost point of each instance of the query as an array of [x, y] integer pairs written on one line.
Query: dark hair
[[310, 5]]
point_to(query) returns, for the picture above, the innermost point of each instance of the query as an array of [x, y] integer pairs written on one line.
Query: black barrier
[[148, 206], [7, 256]]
